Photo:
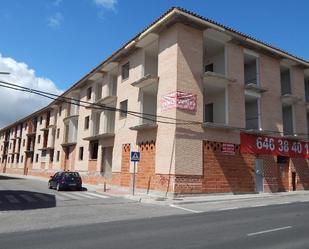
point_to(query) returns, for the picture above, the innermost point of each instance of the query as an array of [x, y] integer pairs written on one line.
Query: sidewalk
[[116, 191]]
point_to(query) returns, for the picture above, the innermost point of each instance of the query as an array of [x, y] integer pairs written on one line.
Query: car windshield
[[71, 174]]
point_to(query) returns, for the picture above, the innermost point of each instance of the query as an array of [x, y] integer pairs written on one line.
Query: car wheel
[[49, 186], [58, 187]]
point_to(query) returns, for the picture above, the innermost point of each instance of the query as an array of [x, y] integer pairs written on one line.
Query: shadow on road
[[25, 200], [10, 178]]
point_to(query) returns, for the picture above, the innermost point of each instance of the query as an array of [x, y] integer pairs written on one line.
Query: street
[[32, 216], [281, 227]]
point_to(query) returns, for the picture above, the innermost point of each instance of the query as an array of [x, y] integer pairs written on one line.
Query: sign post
[[135, 157]]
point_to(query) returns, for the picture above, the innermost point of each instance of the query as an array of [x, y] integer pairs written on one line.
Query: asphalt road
[[32, 216], [284, 227]]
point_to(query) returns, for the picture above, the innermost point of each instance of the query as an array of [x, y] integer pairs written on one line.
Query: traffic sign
[[135, 156]]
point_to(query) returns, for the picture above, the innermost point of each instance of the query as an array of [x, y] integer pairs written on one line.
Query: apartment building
[[210, 110]]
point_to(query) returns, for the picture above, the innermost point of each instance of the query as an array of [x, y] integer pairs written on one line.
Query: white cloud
[[107, 4], [56, 20], [15, 104]]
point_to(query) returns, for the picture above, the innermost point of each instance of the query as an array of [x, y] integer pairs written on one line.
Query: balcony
[[144, 127], [217, 79], [146, 81], [289, 99], [218, 126], [255, 88], [102, 126], [70, 117], [100, 136]]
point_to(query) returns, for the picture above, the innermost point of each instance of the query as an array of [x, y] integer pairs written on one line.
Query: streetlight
[[4, 73]]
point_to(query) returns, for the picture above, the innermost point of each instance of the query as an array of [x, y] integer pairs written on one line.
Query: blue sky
[[59, 41], [85, 33]]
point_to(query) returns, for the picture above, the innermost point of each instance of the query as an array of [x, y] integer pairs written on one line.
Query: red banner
[[258, 144], [180, 100]]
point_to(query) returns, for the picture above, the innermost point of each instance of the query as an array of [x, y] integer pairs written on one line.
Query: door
[[107, 161], [294, 181], [259, 179], [66, 158]]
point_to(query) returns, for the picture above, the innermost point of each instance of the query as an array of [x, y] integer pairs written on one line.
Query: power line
[[98, 106], [90, 104]]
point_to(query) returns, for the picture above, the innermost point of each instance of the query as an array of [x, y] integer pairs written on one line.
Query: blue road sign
[[135, 156]]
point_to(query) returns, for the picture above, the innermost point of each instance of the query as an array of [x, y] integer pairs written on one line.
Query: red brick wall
[[301, 167], [227, 173], [125, 165], [92, 166], [146, 166]]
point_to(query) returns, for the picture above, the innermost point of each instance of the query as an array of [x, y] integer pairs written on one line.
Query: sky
[[51, 44]]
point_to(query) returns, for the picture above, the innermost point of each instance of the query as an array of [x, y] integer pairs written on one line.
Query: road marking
[[70, 196], [85, 195], [43, 197], [27, 198], [98, 195], [228, 208], [186, 209], [11, 198], [269, 231]]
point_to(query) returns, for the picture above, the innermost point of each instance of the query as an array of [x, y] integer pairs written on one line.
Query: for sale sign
[[255, 144], [179, 100], [228, 148]]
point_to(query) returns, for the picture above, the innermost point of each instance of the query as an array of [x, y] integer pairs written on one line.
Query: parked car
[[65, 180]]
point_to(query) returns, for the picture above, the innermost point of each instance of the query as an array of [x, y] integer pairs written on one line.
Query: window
[[285, 78], [10, 145], [39, 139], [58, 133], [41, 120], [58, 156], [209, 112], [9, 160], [60, 110], [209, 68], [17, 158], [125, 71], [22, 159], [94, 146], [123, 109], [86, 125], [89, 90], [1, 147], [24, 142], [36, 158], [81, 153], [51, 156], [287, 117]]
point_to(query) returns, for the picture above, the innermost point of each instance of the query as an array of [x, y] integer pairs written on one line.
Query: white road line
[[70, 196], [228, 208], [84, 195], [61, 198], [186, 209], [11, 199], [98, 195], [269, 231], [43, 197], [27, 198]]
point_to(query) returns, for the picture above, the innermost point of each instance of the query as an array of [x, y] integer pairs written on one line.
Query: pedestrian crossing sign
[[135, 156]]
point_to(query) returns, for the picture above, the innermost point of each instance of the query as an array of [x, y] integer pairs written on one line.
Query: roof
[[176, 14]]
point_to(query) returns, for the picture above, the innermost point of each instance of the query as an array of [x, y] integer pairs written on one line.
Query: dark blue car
[[65, 180]]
